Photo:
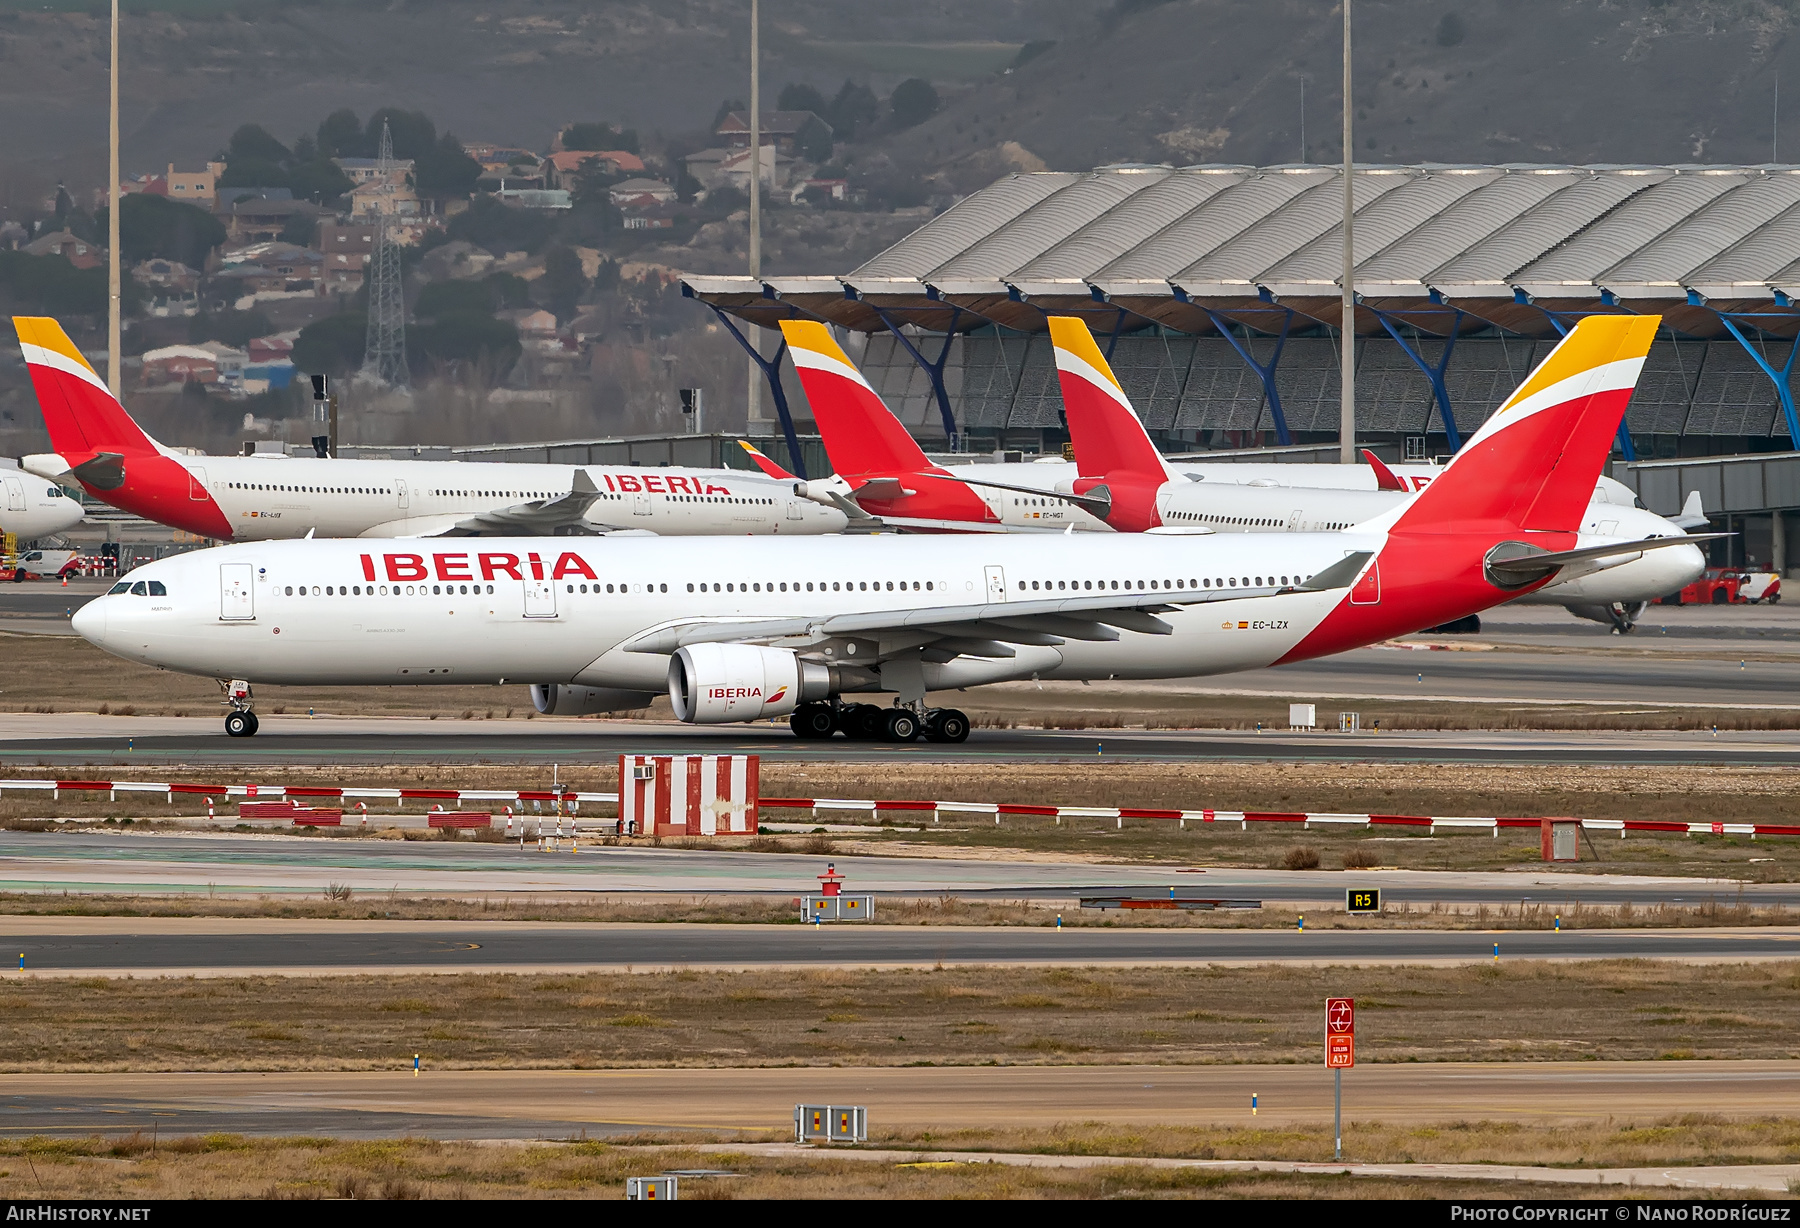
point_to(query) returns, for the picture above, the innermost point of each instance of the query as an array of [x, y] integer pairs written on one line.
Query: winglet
[[764, 463], [1385, 478], [1105, 430], [861, 434], [79, 410]]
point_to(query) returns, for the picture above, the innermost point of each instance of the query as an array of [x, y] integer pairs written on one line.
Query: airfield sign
[[1340, 1032]]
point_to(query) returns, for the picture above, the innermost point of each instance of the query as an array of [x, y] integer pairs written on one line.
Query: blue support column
[[1783, 390], [934, 370], [1112, 342], [1264, 372], [771, 369], [1433, 372]]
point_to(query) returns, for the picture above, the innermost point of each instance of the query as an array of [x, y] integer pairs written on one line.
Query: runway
[[79, 740], [562, 1103], [166, 946], [228, 864]]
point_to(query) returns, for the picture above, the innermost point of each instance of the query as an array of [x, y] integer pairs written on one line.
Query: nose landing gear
[[240, 722]]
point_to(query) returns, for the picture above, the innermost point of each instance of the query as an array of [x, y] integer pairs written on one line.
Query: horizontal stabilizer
[[1515, 564]]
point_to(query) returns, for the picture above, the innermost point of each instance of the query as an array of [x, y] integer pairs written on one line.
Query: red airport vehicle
[[1719, 586]]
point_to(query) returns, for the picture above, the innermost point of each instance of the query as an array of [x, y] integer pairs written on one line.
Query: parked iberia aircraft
[[258, 498], [768, 627], [30, 508], [1120, 465]]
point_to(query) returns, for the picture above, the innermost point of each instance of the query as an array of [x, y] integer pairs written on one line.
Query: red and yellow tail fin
[[763, 462], [861, 434], [1108, 436], [1533, 463], [79, 410]]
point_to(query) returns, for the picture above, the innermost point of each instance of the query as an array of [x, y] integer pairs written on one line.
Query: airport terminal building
[[1214, 291]]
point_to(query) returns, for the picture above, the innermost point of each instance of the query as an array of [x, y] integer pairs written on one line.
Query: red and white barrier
[[688, 795], [1303, 820], [717, 795]]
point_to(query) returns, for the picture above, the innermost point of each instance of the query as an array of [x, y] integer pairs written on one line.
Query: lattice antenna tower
[[384, 355]]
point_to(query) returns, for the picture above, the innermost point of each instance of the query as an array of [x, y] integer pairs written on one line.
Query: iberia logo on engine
[[779, 695], [733, 692]]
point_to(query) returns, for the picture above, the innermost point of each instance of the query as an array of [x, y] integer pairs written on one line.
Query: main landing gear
[[240, 722], [870, 723]]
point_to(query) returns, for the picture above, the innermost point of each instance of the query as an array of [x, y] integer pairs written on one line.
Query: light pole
[[1347, 402], [754, 423], [113, 327]]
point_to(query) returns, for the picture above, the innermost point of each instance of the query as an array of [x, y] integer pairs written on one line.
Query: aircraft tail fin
[[762, 462], [80, 412], [1534, 462], [1107, 433], [861, 434]]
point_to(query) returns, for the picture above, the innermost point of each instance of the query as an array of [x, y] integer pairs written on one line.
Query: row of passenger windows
[[369, 590], [1248, 522], [491, 494], [1225, 582], [310, 490], [143, 588]]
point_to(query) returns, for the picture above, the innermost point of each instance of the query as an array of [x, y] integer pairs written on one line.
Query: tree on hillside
[[600, 137], [445, 169], [252, 143], [854, 108], [155, 226], [461, 338], [332, 346], [563, 282], [914, 101], [341, 136], [441, 298], [500, 228], [318, 180], [413, 132], [798, 97]]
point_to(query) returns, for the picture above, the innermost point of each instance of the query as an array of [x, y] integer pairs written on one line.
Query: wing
[[538, 518], [985, 629]]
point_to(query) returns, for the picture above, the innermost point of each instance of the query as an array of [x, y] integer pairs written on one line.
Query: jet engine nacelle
[[711, 684], [561, 699]]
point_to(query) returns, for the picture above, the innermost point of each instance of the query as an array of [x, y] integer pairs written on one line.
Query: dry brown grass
[[1684, 1139], [1616, 1009], [232, 1166]]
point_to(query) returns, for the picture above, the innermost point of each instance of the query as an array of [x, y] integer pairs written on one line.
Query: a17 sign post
[[1340, 1051]]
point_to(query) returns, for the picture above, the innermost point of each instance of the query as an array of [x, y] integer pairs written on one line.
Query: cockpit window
[[157, 589], [138, 589], [120, 587]]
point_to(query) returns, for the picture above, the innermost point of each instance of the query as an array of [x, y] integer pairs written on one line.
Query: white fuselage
[[31, 508], [267, 498], [485, 626], [1345, 496]]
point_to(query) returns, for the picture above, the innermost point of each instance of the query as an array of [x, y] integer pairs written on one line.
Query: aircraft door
[[794, 511], [15, 494], [400, 493], [640, 504], [197, 485], [237, 597], [540, 599], [996, 583], [1295, 519]]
